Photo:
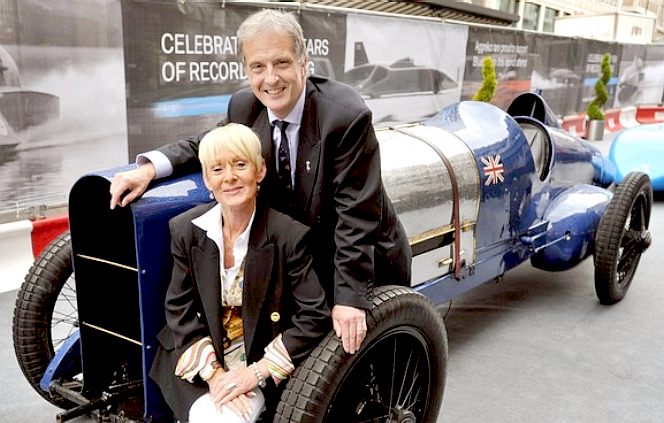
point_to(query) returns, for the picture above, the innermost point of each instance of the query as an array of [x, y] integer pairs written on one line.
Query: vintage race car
[[479, 191], [640, 148]]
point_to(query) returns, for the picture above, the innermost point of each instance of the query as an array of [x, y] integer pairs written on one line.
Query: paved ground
[[536, 347]]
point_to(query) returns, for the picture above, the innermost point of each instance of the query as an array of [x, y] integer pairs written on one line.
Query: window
[[516, 10], [359, 74], [549, 19], [531, 16], [509, 6]]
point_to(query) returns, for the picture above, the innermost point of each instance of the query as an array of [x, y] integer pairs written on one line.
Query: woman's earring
[[211, 195], [258, 187]]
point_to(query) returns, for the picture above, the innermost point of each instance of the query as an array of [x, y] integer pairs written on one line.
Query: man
[[334, 184]]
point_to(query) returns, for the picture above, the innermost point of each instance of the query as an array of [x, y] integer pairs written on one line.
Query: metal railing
[[33, 212]]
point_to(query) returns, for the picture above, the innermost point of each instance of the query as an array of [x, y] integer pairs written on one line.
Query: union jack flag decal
[[493, 169]]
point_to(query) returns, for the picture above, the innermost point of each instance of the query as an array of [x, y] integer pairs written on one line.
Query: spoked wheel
[[398, 375], [46, 314], [622, 236]]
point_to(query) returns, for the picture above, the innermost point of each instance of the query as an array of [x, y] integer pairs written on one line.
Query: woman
[[244, 304]]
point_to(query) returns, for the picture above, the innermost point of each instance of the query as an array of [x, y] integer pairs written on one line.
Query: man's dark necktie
[[284, 170]]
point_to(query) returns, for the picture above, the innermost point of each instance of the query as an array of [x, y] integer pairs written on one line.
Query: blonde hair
[[235, 138]]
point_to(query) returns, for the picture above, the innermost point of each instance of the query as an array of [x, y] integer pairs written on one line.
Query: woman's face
[[233, 180]]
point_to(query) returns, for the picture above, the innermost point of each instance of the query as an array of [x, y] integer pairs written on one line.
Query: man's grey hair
[[270, 21]]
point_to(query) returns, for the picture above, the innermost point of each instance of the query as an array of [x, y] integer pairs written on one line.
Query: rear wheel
[[45, 314], [398, 375], [622, 236]]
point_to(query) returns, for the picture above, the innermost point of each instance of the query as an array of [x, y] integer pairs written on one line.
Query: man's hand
[[350, 324], [133, 182]]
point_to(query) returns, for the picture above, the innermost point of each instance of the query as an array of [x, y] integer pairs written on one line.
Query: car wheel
[[45, 314], [398, 375], [622, 236]]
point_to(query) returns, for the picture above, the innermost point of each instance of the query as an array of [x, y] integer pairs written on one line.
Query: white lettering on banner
[[202, 70], [504, 55], [172, 71], [215, 71], [317, 46], [180, 43], [488, 48], [594, 60]]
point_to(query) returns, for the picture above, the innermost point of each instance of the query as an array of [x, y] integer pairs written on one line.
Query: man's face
[[276, 76]]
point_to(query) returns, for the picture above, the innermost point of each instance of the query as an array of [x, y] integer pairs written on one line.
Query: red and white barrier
[[653, 113], [615, 119], [575, 125], [612, 121], [21, 242], [628, 117]]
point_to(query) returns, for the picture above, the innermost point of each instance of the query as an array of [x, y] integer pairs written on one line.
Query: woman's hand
[[232, 389]]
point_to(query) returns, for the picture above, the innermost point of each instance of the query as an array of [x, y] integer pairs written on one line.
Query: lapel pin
[[308, 165]]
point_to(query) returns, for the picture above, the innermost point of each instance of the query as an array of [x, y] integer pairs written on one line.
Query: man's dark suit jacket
[[338, 189], [278, 279]]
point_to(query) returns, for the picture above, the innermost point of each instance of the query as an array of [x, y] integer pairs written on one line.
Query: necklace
[[228, 237]]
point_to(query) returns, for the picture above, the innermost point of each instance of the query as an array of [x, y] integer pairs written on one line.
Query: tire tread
[[303, 399], [610, 231], [33, 311]]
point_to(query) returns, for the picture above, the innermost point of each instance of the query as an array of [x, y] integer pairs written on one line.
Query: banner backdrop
[[653, 75], [182, 64], [558, 72], [181, 68], [593, 58], [61, 99], [125, 76], [513, 57], [325, 36], [641, 75], [563, 69], [389, 73]]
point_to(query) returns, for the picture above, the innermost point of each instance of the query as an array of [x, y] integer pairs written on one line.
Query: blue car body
[[640, 148], [543, 208]]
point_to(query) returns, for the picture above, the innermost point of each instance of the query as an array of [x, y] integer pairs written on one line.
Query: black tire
[[397, 376], [45, 314], [622, 236]]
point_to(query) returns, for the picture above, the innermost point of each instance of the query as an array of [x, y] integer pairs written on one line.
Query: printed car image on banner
[[513, 57], [653, 75], [640, 75], [61, 99], [631, 76], [401, 83]]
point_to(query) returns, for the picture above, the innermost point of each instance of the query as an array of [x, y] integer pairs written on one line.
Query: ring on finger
[[231, 386]]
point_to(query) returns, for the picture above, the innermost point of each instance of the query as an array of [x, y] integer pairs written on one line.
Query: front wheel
[[397, 376], [46, 314], [622, 236]]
